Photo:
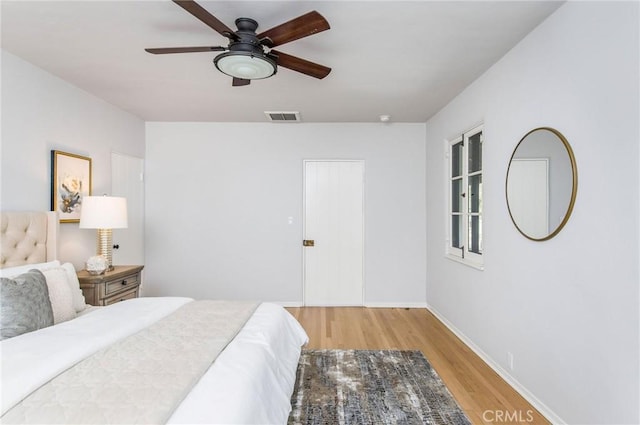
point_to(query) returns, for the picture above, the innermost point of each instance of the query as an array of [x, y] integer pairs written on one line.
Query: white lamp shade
[[103, 212]]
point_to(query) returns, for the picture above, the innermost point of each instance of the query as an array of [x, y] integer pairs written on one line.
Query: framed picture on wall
[[70, 182]]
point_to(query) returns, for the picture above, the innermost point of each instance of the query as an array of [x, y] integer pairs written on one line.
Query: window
[[465, 198]]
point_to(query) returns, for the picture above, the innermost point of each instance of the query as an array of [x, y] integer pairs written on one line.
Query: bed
[[146, 360]]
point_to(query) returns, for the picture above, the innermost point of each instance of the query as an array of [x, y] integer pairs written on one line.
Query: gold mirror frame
[[574, 189]]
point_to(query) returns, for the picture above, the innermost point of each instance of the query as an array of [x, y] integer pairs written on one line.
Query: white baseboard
[[288, 303], [395, 305], [532, 399], [368, 305]]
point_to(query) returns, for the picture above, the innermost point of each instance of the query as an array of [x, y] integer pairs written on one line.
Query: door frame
[[304, 221], [139, 161]]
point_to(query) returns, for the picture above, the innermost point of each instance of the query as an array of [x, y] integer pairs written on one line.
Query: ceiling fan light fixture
[[245, 65]]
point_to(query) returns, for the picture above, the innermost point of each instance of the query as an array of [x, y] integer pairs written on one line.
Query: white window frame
[[463, 254]]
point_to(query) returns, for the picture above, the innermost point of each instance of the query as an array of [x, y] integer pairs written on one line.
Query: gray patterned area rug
[[370, 387]]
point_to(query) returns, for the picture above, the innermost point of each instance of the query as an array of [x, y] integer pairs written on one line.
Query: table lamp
[[104, 213]]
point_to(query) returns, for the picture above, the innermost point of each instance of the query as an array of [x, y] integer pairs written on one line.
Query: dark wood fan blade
[[240, 82], [165, 50], [199, 12], [302, 26], [301, 65]]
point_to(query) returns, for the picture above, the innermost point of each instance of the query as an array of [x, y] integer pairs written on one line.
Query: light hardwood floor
[[483, 395]]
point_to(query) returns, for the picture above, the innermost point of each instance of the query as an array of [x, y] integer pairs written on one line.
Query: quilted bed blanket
[[141, 378]]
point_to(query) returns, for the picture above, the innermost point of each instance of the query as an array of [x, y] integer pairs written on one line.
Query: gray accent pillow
[[24, 304]]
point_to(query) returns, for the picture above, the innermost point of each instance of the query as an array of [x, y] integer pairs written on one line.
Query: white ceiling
[[405, 59]]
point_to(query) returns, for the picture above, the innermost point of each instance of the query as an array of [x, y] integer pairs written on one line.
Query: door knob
[[308, 242]]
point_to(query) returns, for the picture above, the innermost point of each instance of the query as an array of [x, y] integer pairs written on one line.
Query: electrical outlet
[[510, 360]]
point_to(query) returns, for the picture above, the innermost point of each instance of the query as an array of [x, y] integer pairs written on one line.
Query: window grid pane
[[457, 232], [475, 193], [456, 190], [456, 160], [475, 234], [475, 153]]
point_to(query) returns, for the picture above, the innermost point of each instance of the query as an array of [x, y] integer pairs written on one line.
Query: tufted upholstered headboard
[[28, 237]]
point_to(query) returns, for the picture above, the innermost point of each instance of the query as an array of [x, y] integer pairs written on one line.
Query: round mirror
[[542, 181]]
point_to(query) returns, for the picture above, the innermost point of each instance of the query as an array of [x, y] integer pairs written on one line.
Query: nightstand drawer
[[121, 283], [118, 285], [121, 297]]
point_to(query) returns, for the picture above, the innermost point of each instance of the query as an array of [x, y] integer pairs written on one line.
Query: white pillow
[[79, 303], [15, 271], [60, 295]]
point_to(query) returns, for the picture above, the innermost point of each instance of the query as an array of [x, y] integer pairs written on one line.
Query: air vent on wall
[[281, 116]]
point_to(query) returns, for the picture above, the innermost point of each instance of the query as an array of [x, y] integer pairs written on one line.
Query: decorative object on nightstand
[[121, 283], [104, 213], [96, 265]]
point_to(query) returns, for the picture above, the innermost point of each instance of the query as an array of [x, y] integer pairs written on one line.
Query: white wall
[[567, 308], [219, 197], [41, 112]]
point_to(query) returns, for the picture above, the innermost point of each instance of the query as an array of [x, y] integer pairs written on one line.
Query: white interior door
[[333, 220], [127, 180], [528, 194]]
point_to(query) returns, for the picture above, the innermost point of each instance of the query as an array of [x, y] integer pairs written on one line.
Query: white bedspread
[[250, 382], [252, 379]]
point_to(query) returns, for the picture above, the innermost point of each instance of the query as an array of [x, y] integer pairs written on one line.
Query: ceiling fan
[[245, 58]]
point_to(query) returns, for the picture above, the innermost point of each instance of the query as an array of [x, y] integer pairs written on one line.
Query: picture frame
[[70, 183]]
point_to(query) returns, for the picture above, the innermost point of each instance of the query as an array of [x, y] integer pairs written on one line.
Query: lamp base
[[105, 246]]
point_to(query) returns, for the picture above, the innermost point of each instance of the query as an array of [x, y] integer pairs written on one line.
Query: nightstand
[[122, 283]]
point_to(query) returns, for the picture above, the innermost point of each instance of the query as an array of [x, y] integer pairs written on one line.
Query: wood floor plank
[[484, 396]]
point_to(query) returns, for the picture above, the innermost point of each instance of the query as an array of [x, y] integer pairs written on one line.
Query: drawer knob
[[124, 282]]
